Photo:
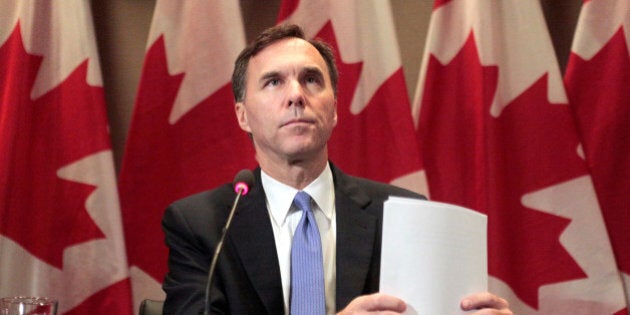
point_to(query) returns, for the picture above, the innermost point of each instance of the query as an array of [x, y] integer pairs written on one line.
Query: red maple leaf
[[287, 7], [599, 93], [439, 3], [40, 211], [164, 162], [488, 164], [379, 142]]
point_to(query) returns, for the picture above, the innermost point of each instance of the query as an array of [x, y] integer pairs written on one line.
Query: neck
[[297, 173]]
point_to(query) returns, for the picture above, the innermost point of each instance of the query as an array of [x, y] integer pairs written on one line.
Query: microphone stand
[[218, 249]]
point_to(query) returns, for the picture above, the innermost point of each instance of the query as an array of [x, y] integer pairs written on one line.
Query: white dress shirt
[[285, 218]]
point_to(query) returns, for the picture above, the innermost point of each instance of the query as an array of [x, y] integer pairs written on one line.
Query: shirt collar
[[280, 196]]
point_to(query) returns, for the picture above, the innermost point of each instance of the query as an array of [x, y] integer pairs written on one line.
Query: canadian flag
[[497, 135], [598, 85], [374, 137], [184, 137], [60, 225]]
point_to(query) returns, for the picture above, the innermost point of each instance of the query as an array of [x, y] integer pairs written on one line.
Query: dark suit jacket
[[247, 278]]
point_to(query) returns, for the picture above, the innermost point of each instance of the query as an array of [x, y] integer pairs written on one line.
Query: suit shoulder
[[207, 204], [375, 188], [219, 195]]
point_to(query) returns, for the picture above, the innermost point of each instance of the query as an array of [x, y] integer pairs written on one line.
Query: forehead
[[285, 55]]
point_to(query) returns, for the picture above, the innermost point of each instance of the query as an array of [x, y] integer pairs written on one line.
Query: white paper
[[433, 254]]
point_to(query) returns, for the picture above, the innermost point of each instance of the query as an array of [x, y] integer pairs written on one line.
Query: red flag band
[[60, 225], [497, 135]]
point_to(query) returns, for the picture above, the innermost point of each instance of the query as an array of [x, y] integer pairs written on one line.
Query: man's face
[[289, 105]]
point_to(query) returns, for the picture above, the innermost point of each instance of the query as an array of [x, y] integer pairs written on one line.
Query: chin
[[303, 152]]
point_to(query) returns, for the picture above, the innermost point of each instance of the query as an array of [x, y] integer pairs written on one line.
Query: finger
[[483, 300], [378, 302], [384, 302]]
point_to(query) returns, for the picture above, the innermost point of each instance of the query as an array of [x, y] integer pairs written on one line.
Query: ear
[[241, 116], [335, 117]]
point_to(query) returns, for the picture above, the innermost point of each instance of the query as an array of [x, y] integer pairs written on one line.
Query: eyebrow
[[277, 74], [269, 75], [313, 70]]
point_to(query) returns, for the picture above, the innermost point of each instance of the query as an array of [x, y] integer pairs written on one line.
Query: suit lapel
[[252, 236], [356, 234]]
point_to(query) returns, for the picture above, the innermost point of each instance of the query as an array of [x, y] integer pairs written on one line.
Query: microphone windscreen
[[243, 181]]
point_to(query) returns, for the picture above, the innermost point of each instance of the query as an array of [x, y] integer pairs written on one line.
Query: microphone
[[242, 183]]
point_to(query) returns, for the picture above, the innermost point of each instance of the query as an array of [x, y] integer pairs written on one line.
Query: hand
[[486, 303], [375, 303]]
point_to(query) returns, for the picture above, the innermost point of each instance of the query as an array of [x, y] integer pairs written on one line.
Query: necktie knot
[[303, 201]]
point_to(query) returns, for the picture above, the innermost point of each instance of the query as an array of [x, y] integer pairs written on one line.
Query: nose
[[295, 94]]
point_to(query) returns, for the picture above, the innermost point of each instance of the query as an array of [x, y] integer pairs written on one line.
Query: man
[[285, 90]]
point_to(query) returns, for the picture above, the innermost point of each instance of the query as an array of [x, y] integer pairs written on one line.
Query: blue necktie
[[307, 270]]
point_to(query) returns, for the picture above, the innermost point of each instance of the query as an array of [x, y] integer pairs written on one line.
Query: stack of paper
[[433, 254]]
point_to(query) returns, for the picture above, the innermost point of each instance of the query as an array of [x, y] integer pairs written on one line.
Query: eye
[[313, 79], [273, 82]]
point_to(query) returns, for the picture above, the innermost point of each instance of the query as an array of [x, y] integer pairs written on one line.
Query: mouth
[[298, 121]]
